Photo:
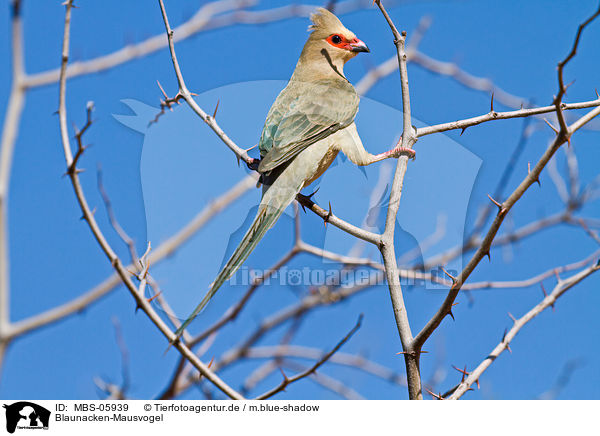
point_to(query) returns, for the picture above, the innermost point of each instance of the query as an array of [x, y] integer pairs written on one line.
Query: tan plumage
[[311, 120]]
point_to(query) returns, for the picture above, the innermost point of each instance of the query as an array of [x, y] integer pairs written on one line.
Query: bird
[[310, 122]]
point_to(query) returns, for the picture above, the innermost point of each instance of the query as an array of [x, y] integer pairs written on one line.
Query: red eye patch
[[337, 41]]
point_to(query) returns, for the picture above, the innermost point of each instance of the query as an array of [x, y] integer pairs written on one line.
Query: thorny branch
[[387, 248], [99, 236], [218, 14], [562, 136], [312, 370], [561, 287]]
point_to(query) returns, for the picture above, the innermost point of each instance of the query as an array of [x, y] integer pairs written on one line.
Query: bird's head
[[329, 33]]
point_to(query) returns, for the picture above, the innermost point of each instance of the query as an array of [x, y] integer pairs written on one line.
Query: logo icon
[[26, 415]]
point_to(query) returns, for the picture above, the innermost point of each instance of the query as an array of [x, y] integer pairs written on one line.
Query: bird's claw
[[253, 164], [400, 151], [306, 198]]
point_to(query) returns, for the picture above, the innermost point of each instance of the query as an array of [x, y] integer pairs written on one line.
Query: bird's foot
[[404, 151], [305, 199], [253, 164]]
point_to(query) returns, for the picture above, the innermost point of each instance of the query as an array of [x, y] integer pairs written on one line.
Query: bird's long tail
[[265, 219]]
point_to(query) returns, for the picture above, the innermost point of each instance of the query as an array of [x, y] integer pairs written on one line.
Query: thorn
[[451, 315], [212, 360], [329, 215], [449, 275], [310, 196], [82, 218], [437, 396], [568, 85], [216, 108], [556, 275], [597, 95], [521, 105], [149, 300], [512, 317], [173, 342], [162, 90], [546, 294], [529, 172], [503, 338], [285, 378], [462, 131], [303, 208], [487, 253], [495, 202], [462, 371], [551, 126], [492, 103]]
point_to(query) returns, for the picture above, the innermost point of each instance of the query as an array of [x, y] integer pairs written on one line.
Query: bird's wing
[[304, 113]]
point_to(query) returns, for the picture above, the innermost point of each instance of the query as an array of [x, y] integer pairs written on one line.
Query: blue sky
[[158, 179]]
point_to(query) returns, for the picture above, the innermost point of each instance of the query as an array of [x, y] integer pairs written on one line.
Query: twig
[[213, 15], [345, 359], [7, 145], [532, 280], [99, 236], [562, 137], [113, 219], [330, 218], [548, 301], [235, 310], [287, 381], [492, 116], [163, 251], [387, 241], [327, 382]]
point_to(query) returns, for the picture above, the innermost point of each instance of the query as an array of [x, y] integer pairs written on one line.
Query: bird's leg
[[396, 152]]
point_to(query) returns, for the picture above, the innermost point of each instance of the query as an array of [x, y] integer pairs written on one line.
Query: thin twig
[[7, 145], [163, 251], [562, 137], [99, 236], [287, 381], [560, 288], [210, 16]]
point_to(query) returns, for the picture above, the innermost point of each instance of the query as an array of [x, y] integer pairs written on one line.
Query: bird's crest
[[325, 23]]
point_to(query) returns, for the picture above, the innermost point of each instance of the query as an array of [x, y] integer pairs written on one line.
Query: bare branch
[[164, 250], [330, 218], [99, 236], [7, 144], [287, 381], [387, 241], [345, 359], [492, 116], [562, 137], [560, 288]]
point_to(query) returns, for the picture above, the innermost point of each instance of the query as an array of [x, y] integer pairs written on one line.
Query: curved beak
[[358, 46]]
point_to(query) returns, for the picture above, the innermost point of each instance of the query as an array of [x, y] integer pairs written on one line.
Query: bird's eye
[[336, 39]]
